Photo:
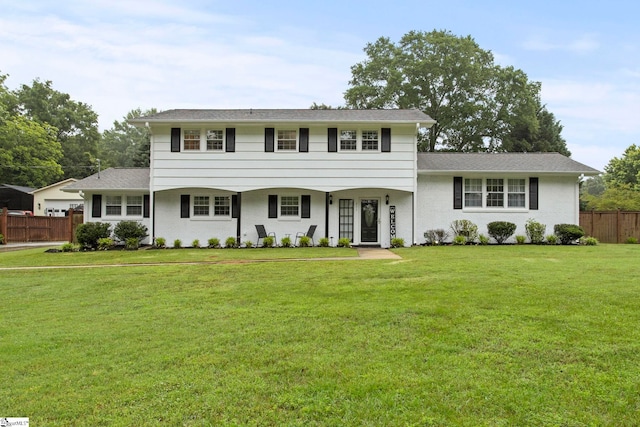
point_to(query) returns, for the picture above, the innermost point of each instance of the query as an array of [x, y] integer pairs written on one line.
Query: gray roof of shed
[[113, 179], [286, 115], [19, 188], [552, 163]]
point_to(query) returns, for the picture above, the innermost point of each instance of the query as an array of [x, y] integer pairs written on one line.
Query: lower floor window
[[114, 205], [289, 206], [201, 206], [221, 206], [134, 205], [495, 193]]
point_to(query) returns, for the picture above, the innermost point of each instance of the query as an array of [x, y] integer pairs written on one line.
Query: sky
[[120, 55]]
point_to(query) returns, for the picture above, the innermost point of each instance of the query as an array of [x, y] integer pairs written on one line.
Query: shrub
[[466, 229], [520, 239], [484, 240], [177, 244], [436, 237], [459, 240], [323, 242], [268, 242], [125, 230], [161, 242], [304, 242], [535, 231], [195, 244], [285, 242], [344, 242], [105, 243], [1, 239], [552, 239], [231, 242], [568, 233], [397, 242], [213, 243], [589, 241], [248, 244], [501, 230], [89, 233], [630, 240], [132, 244], [68, 247]]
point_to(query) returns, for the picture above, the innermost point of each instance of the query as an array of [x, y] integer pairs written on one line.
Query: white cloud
[[585, 43]]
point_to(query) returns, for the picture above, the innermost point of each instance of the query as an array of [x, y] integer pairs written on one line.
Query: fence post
[[70, 225], [3, 225]]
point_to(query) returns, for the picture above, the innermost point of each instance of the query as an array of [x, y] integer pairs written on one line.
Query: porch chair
[[262, 233], [309, 234]]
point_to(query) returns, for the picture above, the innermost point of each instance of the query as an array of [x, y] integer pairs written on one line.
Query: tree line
[[46, 136]]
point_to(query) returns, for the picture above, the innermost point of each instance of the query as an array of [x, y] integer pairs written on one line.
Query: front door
[[369, 221]]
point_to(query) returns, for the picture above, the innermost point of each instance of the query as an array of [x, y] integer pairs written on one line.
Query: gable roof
[[113, 179], [56, 184], [545, 163], [286, 115]]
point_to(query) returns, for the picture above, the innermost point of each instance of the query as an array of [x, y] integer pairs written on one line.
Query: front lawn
[[495, 335]]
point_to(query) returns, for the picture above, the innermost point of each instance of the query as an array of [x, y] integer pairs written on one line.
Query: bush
[[484, 240], [520, 239], [161, 242], [344, 242], [589, 241], [466, 229], [630, 240], [535, 231], [248, 244], [397, 242], [501, 230], [89, 233], [568, 233], [552, 239], [323, 242], [132, 244], [105, 243], [68, 247], [125, 230], [195, 244], [459, 240], [231, 242], [285, 242], [436, 237], [268, 242], [177, 244], [213, 243], [1, 239], [304, 242]]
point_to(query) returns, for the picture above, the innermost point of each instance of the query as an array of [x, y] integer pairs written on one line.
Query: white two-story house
[[353, 174]]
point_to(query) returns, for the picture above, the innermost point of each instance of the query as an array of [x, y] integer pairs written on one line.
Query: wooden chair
[[262, 233], [310, 232]]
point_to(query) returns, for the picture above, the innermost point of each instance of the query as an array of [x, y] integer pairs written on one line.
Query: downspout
[[326, 215], [239, 220]]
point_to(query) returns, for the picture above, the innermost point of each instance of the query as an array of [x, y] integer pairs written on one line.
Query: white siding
[[115, 219]]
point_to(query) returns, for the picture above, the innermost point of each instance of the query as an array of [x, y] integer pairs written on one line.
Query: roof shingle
[[113, 179]]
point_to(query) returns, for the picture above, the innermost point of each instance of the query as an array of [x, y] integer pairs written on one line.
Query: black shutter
[[304, 140], [273, 206], [185, 206], [533, 194], [333, 140], [145, 206], [235, 212], [457, 192], [230, 145], [386, 140], [175, 140], [269, 134], [96, 206], [306, 206]]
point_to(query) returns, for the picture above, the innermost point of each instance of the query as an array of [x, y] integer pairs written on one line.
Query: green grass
[[495, 335]]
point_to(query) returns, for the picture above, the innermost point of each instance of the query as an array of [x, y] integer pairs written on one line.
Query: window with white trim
[[134, 205], [516, 197], [113, 205], [362, 140], [289, 206], [192, 140], [201, 206], [495, 192], [221, 206], [473, 192], [369, 140], [215, 140], [287, 140], [348, 140]]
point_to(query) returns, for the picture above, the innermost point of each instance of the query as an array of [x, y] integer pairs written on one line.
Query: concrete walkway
[[377, 253]]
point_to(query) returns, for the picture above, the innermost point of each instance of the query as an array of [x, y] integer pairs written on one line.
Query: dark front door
[[369, 221]]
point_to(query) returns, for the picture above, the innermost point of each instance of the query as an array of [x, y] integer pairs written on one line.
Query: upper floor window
[[370, 140], [114, 205], [134, 205], [215, 139], [364, 140], [287, 140], [192, 140], [289, 206], [348, 140]]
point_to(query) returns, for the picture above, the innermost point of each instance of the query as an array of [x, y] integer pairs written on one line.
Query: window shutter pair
[[305, 206], [230, 140], [457, 193], [333, 140], [270, 136]]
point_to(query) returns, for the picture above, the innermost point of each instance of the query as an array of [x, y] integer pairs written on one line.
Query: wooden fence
[[16, 229], [611, 226]]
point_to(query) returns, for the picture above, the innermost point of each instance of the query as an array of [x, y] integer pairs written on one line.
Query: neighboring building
[[353, 173], [52, 201], [16, 197]]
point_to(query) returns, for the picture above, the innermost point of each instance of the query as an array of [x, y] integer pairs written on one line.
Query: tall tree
[[624, 171], [125, 145], [76, 124], [478, 105], [543, 135]]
